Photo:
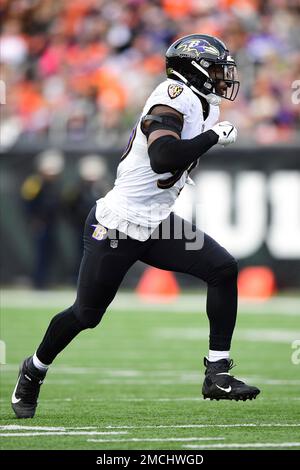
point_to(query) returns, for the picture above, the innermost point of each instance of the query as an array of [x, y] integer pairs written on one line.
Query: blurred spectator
[[82, 69], [14, 48], [40, 193], [93, 183]]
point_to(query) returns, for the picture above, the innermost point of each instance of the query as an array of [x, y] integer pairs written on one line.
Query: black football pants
[[177, 246]]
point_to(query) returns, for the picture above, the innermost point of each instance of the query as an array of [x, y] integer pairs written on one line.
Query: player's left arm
[[167, 151]]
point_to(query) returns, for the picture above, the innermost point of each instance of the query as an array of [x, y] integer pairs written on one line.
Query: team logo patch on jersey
[[100, 232], [174, 90]]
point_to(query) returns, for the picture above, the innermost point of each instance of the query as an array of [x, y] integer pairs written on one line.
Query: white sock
[[214, 356], [38, 364]]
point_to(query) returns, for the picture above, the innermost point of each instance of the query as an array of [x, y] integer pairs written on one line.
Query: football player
[[178, 124]]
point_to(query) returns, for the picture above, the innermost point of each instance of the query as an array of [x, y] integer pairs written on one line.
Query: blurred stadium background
[[74, 76]]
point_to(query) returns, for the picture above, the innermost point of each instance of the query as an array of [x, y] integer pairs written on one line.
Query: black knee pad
[[89, 317], [224, 273]]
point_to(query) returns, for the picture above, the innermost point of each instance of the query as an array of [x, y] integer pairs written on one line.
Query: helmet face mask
[[203, 62], [224, 80]]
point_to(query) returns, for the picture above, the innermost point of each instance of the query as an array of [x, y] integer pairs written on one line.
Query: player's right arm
[[167, 151]]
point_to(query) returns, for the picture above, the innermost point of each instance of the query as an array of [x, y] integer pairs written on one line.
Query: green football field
[[135, 381]]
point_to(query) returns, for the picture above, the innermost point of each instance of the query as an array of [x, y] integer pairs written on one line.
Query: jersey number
[[130, 142]]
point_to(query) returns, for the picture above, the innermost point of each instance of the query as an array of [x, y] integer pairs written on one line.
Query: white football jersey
[[141, 198]]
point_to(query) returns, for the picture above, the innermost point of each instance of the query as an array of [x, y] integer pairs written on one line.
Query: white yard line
[[139, 400], [170, 399], [16, 427], [61, 429], [60, 433], [254, 445], [187, 303], [147, 382], [190, 380], [139, 377], [165, 399], [162, 399], [156, 439], [37, 431], [196, 426]]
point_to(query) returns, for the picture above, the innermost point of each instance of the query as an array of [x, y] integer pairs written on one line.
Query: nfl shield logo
[[114, 243], [174, 90]]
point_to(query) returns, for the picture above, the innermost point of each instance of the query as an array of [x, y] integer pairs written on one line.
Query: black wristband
[[169, 154]]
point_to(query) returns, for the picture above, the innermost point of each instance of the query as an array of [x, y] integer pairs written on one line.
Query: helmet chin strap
[[212, 99]]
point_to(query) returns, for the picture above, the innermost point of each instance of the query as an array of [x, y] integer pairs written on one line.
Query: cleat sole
[[237, 398]]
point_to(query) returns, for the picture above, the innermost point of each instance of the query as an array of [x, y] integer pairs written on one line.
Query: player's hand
[[226, 131]]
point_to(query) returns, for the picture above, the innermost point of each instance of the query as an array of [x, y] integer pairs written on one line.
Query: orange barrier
[[256, 282], [157, 285]]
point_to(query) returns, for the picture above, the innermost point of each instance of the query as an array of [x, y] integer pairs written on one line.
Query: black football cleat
[[26, 392], [220, 385]]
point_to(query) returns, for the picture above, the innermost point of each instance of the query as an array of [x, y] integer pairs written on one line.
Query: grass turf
[[138, 375]]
